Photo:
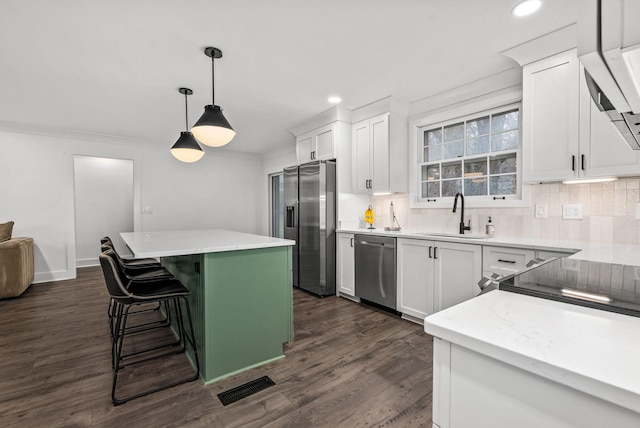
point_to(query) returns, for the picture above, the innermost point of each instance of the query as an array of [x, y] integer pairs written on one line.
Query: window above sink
[[477, 154]]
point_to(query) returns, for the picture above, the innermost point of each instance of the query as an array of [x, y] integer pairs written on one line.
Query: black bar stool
[[127, 294], [148, 275]]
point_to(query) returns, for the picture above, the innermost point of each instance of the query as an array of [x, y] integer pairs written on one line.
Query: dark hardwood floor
[[349, 366]]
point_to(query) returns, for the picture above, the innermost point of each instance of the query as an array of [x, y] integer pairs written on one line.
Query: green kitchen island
[[241, 293]]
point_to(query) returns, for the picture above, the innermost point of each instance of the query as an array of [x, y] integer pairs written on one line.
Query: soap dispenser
[[490, 229]]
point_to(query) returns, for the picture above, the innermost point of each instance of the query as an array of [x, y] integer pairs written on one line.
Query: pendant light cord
[[213, 85], [186, 113]]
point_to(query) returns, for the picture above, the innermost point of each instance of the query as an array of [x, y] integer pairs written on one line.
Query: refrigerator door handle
[[290, 217]]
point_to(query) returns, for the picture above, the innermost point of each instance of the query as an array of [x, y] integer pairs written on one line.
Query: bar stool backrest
[[112, 276]]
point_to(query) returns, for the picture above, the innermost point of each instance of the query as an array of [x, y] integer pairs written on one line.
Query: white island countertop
[[183, 242], [590, 350]]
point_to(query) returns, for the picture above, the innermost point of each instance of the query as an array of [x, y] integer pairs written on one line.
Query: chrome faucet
[[455, 204]]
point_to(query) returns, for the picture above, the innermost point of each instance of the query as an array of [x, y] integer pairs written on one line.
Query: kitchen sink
[[453, 235]]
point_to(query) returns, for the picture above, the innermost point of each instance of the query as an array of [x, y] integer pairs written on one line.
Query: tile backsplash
[[608, 213]]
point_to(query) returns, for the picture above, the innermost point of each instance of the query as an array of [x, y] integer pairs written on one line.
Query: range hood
[[609, 49]]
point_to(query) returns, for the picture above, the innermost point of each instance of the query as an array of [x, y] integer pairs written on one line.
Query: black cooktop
[[606, 286]]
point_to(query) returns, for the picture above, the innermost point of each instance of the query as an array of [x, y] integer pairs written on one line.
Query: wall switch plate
[[637, 211], [572, 211], [542, 211], [147, 210]]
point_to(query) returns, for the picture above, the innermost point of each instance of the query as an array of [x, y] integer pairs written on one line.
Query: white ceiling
[[114, 66]]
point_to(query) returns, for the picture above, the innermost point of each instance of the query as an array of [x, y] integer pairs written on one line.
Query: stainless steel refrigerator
[[310, 220]]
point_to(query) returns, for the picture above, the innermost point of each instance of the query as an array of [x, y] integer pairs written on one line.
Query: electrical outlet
[[147, 210], [571, 264], [542, 211], [572, 212]]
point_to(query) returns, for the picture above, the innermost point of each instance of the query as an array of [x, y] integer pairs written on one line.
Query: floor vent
[[243, 391]]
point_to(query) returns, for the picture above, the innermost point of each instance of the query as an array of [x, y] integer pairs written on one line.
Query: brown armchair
[[16, 264]]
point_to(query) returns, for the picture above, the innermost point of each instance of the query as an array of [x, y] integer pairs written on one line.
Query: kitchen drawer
[[505, 261]]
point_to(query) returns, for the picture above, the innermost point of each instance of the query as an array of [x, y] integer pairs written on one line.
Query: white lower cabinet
[[474, 390], [346, 264], [434, 275]]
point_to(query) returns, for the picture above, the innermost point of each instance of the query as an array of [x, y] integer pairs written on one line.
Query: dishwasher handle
[[375, 244]]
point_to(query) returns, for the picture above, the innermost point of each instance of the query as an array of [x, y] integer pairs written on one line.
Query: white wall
[[222, 190]]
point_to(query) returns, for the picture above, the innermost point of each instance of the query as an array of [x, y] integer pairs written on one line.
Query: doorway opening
[[276, 192], [104, 200]]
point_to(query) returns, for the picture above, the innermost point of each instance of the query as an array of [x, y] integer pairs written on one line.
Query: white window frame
[[456, 115]]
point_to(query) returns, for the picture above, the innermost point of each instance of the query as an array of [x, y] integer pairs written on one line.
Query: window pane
[[430, 172], [430, 190], [503, 185], [423, 190], [454, 132], [432, 137], [451, 187], [433, 190], [452, 170], [452, 150], [475, 168], [504, 141], [476, 146], [475, 186], [478, 127], [503, 164], [504, 121], [432, 153]]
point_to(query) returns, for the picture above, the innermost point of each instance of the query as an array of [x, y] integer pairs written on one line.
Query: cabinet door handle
[[582, 161], [495, 198], [430, 249], [431, 200], [435, 252], [573, 163], [351, 242], [507, 261]]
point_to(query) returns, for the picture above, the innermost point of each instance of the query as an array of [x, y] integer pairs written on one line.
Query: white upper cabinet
[[379, 155], [361, 156], [318, 144], [325, 136], [550, 118], [370, 139], [564, 134]]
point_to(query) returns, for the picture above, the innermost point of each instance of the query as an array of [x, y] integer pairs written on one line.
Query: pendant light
[[186, 149], [212, 128]]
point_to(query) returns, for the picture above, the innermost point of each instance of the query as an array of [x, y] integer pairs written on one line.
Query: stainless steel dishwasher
[[375, 258]]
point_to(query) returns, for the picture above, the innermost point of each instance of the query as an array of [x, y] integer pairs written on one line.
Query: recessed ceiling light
[[526, 7], [334, 100]]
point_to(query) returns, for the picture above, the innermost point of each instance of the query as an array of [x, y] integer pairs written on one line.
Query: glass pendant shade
[[187, 149], [213, 129]]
